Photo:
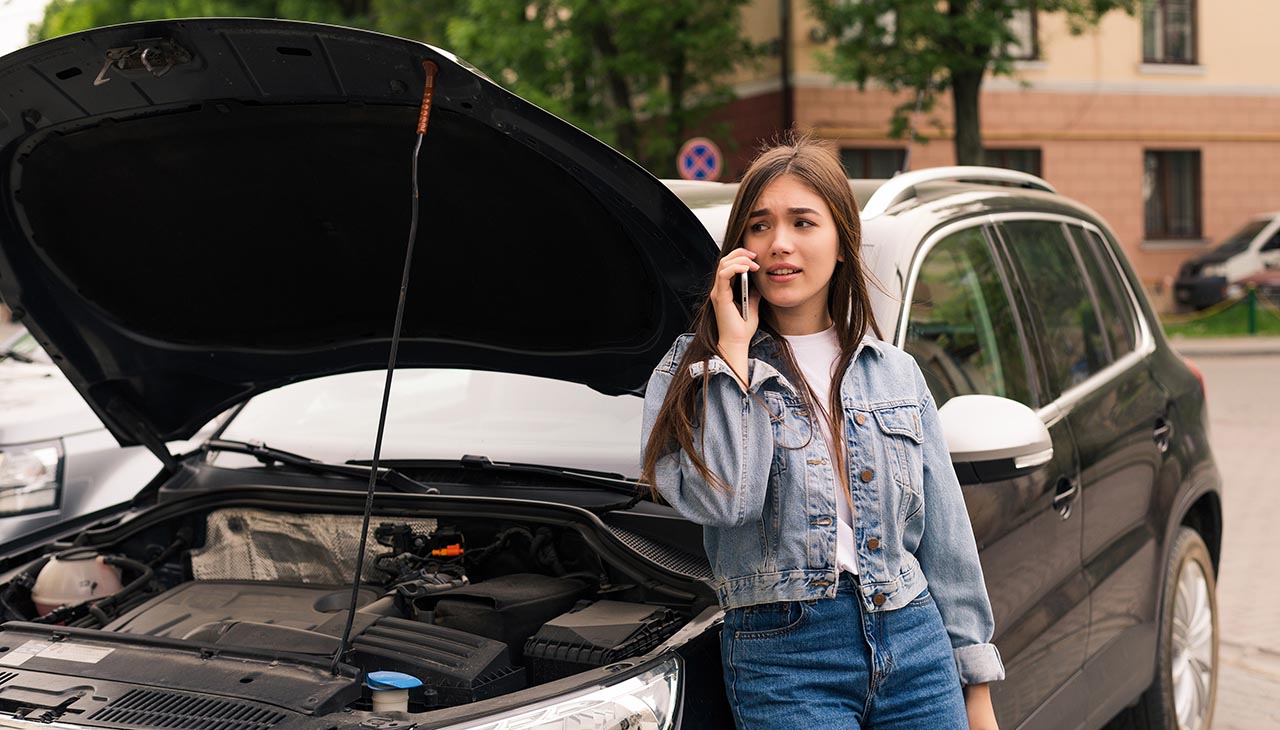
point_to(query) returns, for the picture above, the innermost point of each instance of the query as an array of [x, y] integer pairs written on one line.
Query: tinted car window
[[1066, 319], [961, 327], [1114, 303]]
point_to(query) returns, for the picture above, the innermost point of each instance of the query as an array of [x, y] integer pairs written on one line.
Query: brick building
[[1167, 123]]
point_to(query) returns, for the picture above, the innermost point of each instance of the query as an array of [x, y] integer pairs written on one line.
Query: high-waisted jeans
[[826, 665]]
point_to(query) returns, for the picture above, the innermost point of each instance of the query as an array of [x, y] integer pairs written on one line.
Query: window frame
[[1165, 178], [1144, 345], [942, 233], [1163, 30], [862, 174], [1105, 259], [1039, 152], [1026, 306], [1056, 409]]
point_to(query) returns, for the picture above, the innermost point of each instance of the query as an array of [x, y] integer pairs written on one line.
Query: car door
[[963, 330], [1122, 422]]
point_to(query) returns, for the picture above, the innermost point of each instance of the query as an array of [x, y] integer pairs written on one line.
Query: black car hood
[[228, 212]]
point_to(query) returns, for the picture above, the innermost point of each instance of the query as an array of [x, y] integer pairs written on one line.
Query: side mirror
[[993, 438]]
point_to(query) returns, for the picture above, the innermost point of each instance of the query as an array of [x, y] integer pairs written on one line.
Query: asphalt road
[[1244, 414]]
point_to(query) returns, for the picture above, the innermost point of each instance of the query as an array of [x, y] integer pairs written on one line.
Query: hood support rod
[[424, 114]]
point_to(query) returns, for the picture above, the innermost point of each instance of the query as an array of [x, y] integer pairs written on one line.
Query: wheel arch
[[1205, 517]]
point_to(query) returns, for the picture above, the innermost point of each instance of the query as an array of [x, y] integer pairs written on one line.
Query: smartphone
[[740, 289]]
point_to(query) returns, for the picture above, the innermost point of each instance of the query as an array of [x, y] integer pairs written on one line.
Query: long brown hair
[[848, 302]]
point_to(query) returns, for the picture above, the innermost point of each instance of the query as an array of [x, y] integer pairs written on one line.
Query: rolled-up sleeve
[[734, 438], [948, 556]]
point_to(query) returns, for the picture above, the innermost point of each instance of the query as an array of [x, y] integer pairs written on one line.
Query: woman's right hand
[[735, 332]]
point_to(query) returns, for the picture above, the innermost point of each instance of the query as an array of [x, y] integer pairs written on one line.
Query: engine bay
[[250, 604]]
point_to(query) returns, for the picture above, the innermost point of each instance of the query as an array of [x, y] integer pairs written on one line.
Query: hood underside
[[234, 218]]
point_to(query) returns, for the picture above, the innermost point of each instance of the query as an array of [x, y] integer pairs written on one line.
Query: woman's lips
[[783, 273]]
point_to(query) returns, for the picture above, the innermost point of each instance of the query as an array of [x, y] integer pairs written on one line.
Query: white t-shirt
[[817, 356]]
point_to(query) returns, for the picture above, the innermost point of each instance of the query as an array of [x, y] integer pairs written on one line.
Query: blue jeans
[[827, 665]]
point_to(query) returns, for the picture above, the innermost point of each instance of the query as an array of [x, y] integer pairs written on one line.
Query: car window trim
[[1144, 346], [1101, 254], [1031, 309], [1055, 410], [917, 262], [1103, 333]]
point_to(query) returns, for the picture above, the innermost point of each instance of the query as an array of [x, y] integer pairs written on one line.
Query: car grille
[[146, 708]]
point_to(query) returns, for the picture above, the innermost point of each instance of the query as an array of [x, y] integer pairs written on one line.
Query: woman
[[811, 453]]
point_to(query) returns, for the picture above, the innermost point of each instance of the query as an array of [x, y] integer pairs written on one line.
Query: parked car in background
[[57, 460], [515, 568], [1266, 282], [1206, 279]]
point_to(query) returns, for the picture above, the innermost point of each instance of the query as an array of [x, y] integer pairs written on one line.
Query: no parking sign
[[700, 159]]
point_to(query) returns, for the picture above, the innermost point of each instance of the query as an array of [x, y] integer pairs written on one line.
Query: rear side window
[[1114, 304], [1066, 319], [961, 328]]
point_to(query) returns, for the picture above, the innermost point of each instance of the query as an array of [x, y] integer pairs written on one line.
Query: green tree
[[69, 16], [935, 46], [636, 73]]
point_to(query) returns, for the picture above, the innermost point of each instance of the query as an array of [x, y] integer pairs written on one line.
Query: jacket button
[[873, 544], [861, 418], [865, 475], [878, 599]]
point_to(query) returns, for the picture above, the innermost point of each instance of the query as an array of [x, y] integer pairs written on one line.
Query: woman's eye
[[802, 223], [757, 227]]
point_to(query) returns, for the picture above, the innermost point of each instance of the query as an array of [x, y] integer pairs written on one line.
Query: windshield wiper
[[268, 456], [587, 477], [15, 355]]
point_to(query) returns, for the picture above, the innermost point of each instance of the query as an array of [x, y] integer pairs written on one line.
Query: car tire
[[1186, 684]]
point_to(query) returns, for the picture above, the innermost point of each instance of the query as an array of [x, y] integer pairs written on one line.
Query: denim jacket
[[772, 535]]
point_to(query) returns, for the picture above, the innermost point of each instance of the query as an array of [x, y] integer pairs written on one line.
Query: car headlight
[[30, 477], [647, 700], [1214, 270]]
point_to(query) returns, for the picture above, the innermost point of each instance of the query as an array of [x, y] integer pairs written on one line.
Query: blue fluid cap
[[391, 680]]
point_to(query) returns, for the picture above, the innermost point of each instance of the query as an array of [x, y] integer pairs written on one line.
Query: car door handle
[[1065, 496], [1162, 434]]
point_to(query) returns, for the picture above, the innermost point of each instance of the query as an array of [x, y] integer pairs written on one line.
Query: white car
[[57, 461]]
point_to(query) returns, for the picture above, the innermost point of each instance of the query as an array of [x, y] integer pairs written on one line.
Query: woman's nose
[[782, 244]]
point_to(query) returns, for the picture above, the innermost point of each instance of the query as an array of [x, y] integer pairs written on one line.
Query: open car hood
[[196, 211]]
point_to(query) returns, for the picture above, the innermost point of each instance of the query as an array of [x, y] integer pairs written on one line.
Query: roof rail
[[902, 186]]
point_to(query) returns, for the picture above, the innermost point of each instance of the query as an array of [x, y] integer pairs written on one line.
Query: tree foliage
[[636, 73], [935, 46]]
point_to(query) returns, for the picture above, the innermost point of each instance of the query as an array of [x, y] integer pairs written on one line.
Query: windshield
[[1241, 239], [444, 414]]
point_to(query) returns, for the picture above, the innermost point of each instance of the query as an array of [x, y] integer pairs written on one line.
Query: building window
[[1169, 31], [1171, 193], [1023, 159], [1024, 26], [873, 162]]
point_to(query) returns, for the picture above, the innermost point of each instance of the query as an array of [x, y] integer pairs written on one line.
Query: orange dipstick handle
[[431, 68]]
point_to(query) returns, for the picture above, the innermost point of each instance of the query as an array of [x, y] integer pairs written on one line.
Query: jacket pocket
[[904, 435]]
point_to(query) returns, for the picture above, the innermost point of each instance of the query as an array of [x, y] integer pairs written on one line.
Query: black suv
[[196, 212]]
